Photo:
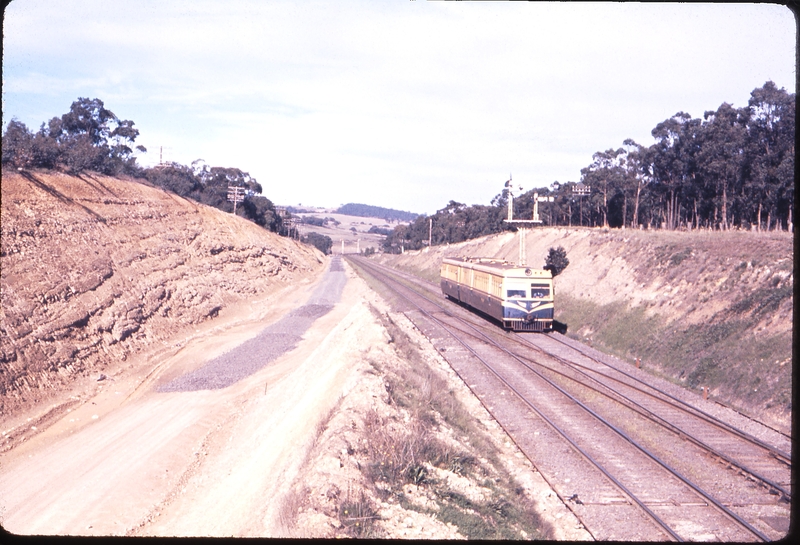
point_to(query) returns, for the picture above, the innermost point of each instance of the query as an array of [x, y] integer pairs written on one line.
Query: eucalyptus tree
[[636, 171], [91, 137], [18, 145], [722, 158], [769, 154], [605, 176], [673, 164]]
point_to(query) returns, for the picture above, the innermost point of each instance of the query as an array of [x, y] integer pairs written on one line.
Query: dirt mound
[[705, 308], [95, 269]]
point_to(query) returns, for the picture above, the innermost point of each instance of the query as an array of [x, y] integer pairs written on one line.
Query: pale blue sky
[[391, 103]]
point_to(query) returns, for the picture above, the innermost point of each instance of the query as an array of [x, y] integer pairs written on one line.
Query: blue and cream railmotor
[[521, 298]]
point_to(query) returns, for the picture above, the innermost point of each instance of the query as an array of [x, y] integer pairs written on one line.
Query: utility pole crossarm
[[235, 195]]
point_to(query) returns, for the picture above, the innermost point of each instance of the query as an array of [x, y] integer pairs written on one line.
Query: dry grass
[[401, 453], [357, 514], [289, 509]]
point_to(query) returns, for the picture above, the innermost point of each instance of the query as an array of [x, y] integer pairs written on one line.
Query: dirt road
[[150, 453], [137, 460]]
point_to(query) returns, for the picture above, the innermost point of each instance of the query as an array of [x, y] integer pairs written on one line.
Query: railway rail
[[631, 460]]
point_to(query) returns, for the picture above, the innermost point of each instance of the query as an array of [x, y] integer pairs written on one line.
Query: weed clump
[[357, 515]]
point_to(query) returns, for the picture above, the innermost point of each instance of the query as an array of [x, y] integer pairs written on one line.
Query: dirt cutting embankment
[[97, 269], [701, 308]]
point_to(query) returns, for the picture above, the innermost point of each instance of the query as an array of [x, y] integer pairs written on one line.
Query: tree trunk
[[725, 205], [635, 221], [758, 224], [624, 209]]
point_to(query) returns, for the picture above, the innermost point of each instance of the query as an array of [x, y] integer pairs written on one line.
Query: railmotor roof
[[497, 266]]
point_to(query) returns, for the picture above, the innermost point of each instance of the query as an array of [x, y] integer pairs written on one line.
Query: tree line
[[91, 138], [734, 168], [88, 137], [369, 211]]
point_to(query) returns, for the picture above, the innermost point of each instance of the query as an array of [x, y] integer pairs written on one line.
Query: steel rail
[[626, 401], [675, 402], [655, 518], [708, 497], [689, 408], [620, 432], [637, 407], [650, 415]]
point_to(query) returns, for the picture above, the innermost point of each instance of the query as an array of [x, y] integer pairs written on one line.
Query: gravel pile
[[274, 341]]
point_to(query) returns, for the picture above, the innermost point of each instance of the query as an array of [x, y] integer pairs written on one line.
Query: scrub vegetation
[[752, 373]]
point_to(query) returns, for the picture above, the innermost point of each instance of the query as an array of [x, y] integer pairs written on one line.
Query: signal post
[[522, 225]]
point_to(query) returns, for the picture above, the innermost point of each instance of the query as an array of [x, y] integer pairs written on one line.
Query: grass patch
[[763, 301], [678, 257], [724, 354], [486, 520]]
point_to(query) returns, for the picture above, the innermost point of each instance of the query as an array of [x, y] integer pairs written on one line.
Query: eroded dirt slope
[[95, 269]]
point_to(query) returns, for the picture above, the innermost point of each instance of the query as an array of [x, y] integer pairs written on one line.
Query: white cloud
[[407, 103]]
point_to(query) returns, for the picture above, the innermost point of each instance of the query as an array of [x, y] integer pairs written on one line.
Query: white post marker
[[536, 200]]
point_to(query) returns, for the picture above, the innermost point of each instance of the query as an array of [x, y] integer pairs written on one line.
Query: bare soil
[[96, 270], [93, 444]]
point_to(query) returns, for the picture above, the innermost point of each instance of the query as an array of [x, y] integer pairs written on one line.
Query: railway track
[[631, 460]]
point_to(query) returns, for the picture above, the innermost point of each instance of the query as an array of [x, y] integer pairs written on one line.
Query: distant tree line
[[91, 138], [367, 211], [314, 220], [732, 169], [379, 230], [456, 222]]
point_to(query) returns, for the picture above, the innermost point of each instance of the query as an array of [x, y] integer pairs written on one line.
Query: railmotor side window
[[540, 291]]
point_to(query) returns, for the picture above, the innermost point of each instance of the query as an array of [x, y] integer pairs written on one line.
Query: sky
[[394, 103]]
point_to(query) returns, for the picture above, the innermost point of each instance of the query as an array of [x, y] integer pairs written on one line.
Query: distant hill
[[367, 211]]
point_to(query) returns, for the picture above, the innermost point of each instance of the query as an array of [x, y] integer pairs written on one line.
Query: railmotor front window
[[515, 294], [540, 291]]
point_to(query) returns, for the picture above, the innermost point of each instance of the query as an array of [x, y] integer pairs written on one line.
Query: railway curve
[[597, 434]]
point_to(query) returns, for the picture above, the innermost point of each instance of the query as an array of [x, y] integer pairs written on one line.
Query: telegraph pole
[[580, 190], [235, 195]]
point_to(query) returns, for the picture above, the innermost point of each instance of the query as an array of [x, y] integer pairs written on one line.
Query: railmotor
[[521, 298]]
